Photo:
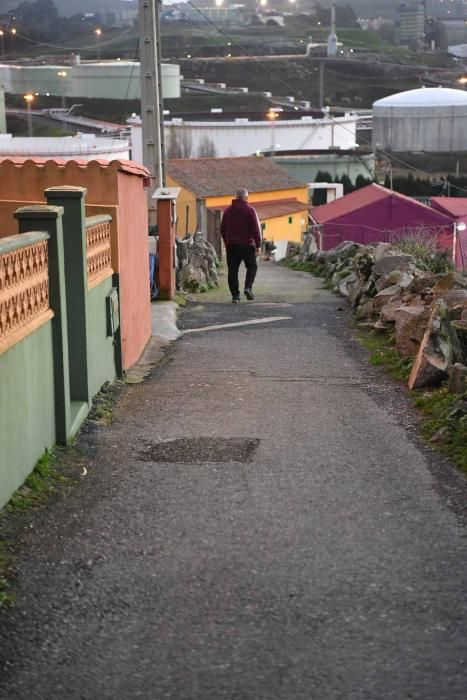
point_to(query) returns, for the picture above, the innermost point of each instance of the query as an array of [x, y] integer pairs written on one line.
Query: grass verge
[[444, 415], [383, 353]]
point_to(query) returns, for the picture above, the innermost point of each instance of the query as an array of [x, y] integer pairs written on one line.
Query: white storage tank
[[427, 119]]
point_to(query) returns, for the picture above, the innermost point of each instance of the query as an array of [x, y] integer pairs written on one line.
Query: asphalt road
[[259, 523]]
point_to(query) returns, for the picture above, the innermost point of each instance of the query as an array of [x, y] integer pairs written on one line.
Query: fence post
[[49, 219], [72, 199]]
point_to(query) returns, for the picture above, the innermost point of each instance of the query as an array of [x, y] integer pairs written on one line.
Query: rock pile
[[197, 264], [387, 290]]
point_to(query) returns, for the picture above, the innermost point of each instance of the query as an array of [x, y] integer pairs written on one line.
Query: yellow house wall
[[301, 194], [279, 229], [185, 199]]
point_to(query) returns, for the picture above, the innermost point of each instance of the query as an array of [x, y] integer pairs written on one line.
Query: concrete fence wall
[[116, 189], [59, 328]]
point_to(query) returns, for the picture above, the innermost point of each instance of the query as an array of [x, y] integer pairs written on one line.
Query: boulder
[[369, 288], [386, 295], [344, 250], [402, 279], [411, 323], [383, 250], [451, 280], [423, 281], [389, 310], [366, 310], [456, 301], [309, 248], [343, 285], [389, 263], [457, 383], [363, 262], [438, 350], [355, 292], [191, 278], [461, 330]]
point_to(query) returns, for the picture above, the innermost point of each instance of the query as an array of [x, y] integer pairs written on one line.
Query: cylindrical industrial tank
[[104, 79], [427, 119], [2, 111]]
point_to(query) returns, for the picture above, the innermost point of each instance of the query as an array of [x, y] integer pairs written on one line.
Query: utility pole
[[321, 85], [151, 97]]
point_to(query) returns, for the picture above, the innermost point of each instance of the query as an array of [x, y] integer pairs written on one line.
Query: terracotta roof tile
[[274, 208], [215, 177], [126, 166]]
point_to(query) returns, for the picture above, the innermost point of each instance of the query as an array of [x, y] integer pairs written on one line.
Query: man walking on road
[[241, 233]]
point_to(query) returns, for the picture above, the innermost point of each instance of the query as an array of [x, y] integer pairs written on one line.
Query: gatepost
[[166, 217], [49, 219]]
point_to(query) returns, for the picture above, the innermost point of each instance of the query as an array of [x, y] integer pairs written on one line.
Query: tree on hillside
[[36, 13]]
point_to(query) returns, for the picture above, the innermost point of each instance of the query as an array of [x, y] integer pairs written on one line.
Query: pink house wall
[[385, 219], [461, 247], [134, 266]]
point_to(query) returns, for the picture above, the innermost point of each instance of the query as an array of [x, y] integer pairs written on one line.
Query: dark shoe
[[249, 294], [236, 299]]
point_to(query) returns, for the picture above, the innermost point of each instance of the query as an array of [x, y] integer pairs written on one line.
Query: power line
[[300, 94], [74, 48]]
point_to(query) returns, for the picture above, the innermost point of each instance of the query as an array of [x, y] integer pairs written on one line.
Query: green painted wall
[[27, 410], [101, 349]]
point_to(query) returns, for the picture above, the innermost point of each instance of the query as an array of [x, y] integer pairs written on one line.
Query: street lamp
[[13, 46], [458, 226], [98, 33], [63, 74], [272, 115], [29, 99]]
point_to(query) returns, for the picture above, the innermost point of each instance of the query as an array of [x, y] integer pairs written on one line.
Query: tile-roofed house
[[209, 184], [214, 177], [374, 213]]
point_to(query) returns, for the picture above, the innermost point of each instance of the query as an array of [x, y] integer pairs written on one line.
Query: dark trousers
[[236, 253]]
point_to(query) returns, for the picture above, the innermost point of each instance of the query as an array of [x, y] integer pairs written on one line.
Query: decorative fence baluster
[[98, 249], [24, 285]]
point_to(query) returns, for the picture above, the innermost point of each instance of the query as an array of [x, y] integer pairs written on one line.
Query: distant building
[[451, 32], [337, 163], [82, 146], [223, 14], [375, 214], [410, 24], [209, 184]]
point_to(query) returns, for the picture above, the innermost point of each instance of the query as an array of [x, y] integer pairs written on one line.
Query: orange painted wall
[[109, 191]]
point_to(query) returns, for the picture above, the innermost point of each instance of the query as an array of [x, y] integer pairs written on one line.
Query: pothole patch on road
[[200, 450]]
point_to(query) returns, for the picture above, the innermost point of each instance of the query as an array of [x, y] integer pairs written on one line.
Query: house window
[[290, 219]]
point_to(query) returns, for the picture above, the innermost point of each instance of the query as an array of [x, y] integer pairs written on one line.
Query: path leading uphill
[[259, 523]]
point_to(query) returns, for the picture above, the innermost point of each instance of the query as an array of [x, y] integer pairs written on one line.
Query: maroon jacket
[[240, 225]]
